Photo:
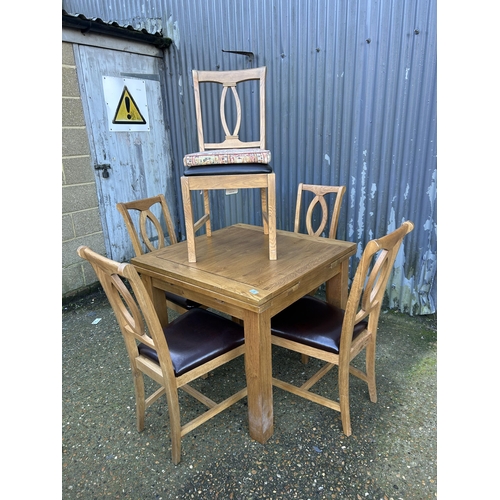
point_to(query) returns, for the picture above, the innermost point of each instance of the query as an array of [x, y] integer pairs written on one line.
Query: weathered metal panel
[[351, 99]]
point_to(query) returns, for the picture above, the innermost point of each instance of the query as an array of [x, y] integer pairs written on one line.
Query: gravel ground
[[391, 454]]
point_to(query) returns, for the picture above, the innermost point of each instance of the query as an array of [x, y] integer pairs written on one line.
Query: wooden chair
[[193, 344], [147, 234], [232, 163], [313, 327], [319, 192]]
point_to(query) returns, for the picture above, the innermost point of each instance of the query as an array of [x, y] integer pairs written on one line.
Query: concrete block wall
[[81, 221]]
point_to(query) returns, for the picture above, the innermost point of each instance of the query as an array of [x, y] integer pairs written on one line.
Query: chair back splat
[[315, 328], [233, 162], [147, 234], [193, 344], [319, 191]]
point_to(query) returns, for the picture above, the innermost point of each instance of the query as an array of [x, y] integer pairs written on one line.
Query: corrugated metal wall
[[351, 100]]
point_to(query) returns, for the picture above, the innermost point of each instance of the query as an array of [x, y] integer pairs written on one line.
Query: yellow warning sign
[[127, 110]]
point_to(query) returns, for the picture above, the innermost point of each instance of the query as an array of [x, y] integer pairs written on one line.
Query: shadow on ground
[[390, 455]]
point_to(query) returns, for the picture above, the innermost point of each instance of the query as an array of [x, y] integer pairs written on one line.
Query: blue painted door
[[128, 136]]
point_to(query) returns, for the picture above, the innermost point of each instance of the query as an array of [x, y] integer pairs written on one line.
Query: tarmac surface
[[391, 454]]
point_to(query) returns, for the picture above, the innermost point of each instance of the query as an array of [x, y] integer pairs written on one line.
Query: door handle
[[104, 167]]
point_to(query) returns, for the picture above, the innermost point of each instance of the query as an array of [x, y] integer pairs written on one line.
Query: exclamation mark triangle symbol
[[127, 110]]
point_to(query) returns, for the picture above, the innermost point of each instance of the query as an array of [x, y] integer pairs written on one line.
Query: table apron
[[235, 307], [302, 287]]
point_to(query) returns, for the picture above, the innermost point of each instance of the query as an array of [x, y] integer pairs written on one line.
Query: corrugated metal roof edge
[[96, 25]]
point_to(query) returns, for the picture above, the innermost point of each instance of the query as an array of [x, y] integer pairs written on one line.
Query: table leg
[[337, 287], [258, 368]]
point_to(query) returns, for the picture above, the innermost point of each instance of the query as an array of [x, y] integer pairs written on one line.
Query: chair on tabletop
[[234, 162], [195, 343], [147, 234], [312, 327]]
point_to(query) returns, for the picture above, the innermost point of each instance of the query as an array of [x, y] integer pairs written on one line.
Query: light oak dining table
[[233, 274]]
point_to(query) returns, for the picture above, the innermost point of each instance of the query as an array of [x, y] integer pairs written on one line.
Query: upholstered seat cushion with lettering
[[227, 157], [313, 322]]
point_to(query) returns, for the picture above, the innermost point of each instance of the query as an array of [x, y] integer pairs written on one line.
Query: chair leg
[[175, 426], [206, 206], [140, 398], [188, 217], [370, 371], [271, 215], [265, 210], [344, 399]]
